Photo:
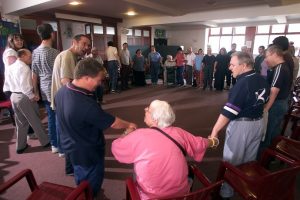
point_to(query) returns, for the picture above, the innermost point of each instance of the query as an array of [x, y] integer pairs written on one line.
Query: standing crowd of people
[[69, 83]]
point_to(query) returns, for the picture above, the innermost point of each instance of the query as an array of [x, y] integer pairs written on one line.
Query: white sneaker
[[54, 149], [61, 155], [32, 137]]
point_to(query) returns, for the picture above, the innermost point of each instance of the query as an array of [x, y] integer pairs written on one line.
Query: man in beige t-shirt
[[63, 73]]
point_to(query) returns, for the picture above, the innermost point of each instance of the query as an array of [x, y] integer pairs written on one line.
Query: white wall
[[189, 37], [68, 30]]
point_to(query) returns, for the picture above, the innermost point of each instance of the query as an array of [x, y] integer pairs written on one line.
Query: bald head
[[24, 55]]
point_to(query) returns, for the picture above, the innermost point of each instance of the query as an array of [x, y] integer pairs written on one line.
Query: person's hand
[[213, 141], [131, 127]]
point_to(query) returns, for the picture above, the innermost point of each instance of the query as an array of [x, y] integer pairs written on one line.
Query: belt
[[248, 119]]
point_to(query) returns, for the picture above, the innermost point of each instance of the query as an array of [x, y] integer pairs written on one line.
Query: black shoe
[[20, 151], [47, 145], [70, 174]]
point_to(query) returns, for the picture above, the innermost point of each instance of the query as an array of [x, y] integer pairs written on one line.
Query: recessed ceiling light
[[75, 3], [131, 13]]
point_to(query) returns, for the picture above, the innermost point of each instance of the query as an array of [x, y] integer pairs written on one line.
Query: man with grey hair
[[243, 111], [143, 147], [82, 122]]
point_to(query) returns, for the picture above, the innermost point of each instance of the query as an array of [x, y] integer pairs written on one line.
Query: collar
[[73, 87], [250, 73]]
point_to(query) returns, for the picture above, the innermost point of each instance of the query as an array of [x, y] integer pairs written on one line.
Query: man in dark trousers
[[82, 122]]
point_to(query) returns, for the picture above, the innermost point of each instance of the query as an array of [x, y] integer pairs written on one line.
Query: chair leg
[[12, 116]]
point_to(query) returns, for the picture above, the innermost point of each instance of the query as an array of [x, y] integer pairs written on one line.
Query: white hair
[[162, 112]]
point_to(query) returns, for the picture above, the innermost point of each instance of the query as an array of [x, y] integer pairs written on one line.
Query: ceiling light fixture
[[75, 3], [131, 13]]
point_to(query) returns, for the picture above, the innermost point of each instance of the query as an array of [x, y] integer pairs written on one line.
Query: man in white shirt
[[190, 62], [24, 101], [125, 66], [113, 63]]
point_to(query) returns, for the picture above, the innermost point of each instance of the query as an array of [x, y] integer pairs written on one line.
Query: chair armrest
[[200, 175], [237, 171], [25, 173], [83, 187], [264, 161], [131, 191]]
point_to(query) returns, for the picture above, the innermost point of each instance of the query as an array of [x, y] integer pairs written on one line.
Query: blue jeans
[[276, 115], [179, 75], [51, 124], [154, 71], [93, 174], [113, 74]]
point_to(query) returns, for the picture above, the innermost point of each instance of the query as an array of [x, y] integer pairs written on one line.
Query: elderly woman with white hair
[[159, 164]]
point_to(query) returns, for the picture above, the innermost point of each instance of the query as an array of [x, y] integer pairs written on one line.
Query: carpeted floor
[[196, 111]]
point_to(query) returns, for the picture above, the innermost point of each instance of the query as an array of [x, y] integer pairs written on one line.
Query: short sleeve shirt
[[82, 122], [209, 60], [64, 66], [280, 78], [247, 97]]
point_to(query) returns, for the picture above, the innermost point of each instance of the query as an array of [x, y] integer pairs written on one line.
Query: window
[[293, 28], [263, 29], [278, 28], [110, 30], [227, 30], [146, 33], [98, 29], [214, 43], [215, 31], [129, 32], [260, 40], [240, 30], [138, 32], [224, 37], [88, 30]]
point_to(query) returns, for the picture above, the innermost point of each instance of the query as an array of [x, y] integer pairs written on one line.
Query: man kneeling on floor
[[82, 122]]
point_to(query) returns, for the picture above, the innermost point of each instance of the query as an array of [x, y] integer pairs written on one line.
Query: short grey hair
[[162, 112], [244, 58]]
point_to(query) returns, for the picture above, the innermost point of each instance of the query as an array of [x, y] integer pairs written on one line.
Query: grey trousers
[[27, 112], [241, 146], [189, 74]]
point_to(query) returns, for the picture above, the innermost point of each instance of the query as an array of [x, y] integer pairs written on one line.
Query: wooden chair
[[7, 105], [253, 181], [201, 194], [287, 147], [49, 191]]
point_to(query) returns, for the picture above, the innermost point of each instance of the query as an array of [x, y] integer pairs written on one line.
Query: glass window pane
[[129, 32], [272, 37], [240, 30], [278, 28], [215, 31], [263, 29], [87, 30], [146, 33], [225, 42], [227, 30], [98, 29], [260, 40], [110, 30], [294, 28], [295, 38], [239, 40], [214, 42], [137, 32]]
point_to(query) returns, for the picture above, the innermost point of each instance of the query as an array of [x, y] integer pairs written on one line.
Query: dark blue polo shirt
[[247, 97], [81, 122]]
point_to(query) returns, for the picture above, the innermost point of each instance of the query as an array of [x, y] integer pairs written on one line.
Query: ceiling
[[172, 13]]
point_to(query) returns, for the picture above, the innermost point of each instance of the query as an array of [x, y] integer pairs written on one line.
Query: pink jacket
[[160, 167]]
